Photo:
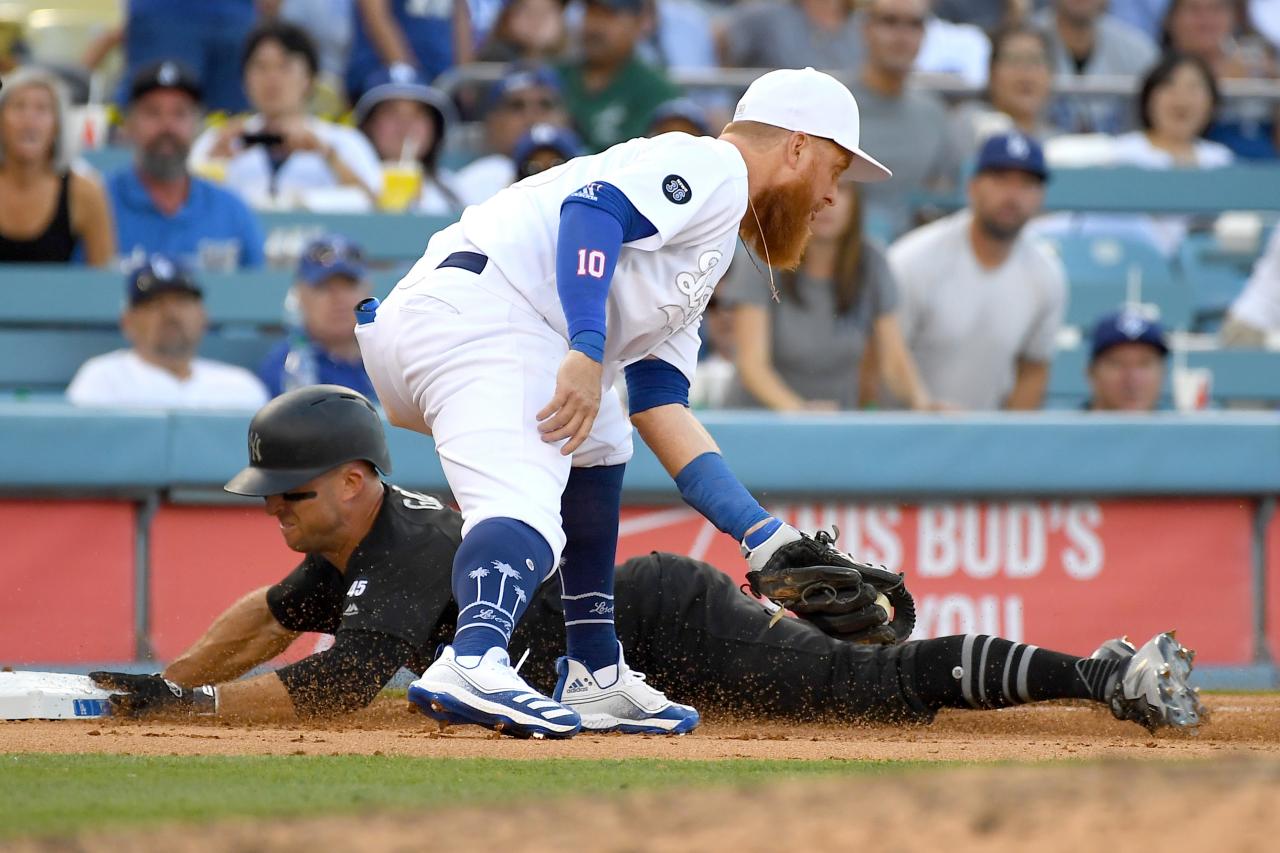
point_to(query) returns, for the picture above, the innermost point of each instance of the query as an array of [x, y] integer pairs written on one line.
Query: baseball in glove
[[838, 594]]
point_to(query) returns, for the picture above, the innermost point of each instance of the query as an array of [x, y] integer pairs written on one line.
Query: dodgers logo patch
[[676, 189]]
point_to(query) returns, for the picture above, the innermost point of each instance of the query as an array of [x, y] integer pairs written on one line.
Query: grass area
[[56, 794]]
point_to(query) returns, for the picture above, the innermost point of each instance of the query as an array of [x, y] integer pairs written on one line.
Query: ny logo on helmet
[[255, 448]]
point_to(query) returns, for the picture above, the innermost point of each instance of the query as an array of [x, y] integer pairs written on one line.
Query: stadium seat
[[1101, 272], [44, 340], [1238, 375], [385, 237], [1132, 190], [1214, 278]]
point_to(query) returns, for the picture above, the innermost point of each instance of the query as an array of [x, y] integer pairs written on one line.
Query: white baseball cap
[[809, 101]]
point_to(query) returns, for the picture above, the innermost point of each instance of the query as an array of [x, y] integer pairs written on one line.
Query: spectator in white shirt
[[407, 122], [282, 157], [1256, 312], [164, 321], [981, 302], [1175, 108]]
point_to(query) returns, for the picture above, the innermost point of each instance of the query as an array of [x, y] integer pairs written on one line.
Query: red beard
[[783, 231]]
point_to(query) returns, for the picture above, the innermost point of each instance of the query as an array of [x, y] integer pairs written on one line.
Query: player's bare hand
[[572, 411]]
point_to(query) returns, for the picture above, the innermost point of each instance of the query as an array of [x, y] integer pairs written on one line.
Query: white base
[[50, 696]]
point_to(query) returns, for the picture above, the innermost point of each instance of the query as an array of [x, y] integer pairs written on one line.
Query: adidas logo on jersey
[[588, 192], [351, 610]]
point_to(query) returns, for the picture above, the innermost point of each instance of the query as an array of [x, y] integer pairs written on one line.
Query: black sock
[[980, 671]]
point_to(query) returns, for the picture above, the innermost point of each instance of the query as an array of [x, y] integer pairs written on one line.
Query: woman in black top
[[46, 208]]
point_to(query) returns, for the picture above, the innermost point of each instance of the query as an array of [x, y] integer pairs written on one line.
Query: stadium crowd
[[234, 109]]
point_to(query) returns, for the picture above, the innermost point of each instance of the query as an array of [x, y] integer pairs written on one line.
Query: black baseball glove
[[154, 695], [838, 594]]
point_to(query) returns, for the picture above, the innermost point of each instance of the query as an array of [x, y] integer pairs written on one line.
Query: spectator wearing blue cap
[[610, 92], [544, 147], [981, 301], [407, 122], [428, 36], [158, 205], [1126, 363], [331, 280], [682, 115], [164, 321], [525, 96]]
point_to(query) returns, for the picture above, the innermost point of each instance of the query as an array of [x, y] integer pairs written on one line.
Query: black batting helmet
[[301, 434]]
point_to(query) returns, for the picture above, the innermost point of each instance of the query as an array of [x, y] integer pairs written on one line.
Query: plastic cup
[[401, 184]]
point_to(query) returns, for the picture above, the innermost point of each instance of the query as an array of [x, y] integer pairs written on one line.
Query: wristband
[[590, 343]]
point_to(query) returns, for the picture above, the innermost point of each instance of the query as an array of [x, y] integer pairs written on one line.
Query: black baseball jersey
[[397, 581], [683, 622]]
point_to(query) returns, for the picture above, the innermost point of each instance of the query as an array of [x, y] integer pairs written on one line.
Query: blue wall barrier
[[52, 446]]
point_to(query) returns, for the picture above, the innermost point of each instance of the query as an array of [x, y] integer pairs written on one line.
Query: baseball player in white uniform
[[504, 342]]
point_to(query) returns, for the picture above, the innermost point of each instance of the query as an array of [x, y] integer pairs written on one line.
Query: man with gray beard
[[981, 302], [159, 206]]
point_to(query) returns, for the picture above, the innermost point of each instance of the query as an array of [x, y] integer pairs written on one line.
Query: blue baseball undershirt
[[595, 222], [707, 485], [652, 382]]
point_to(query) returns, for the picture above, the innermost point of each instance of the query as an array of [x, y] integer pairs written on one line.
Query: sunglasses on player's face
[[294, 497]]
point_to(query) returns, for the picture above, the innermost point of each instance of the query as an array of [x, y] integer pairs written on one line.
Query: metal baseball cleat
[[1152, 688]]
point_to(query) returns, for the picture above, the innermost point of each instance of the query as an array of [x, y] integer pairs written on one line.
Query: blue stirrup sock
[[589, 510], [496, 571]]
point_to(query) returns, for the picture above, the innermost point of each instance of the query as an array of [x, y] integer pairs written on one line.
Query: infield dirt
[[1215, 790], [1247, 724]]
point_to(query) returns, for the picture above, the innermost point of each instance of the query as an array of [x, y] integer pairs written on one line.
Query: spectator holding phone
[[282, 157]]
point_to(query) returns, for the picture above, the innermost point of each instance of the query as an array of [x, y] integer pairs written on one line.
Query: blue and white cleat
[[617, 699], [1153, 687], [490, 694]]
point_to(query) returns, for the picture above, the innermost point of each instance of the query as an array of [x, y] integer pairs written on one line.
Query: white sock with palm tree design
[[497, 568]]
